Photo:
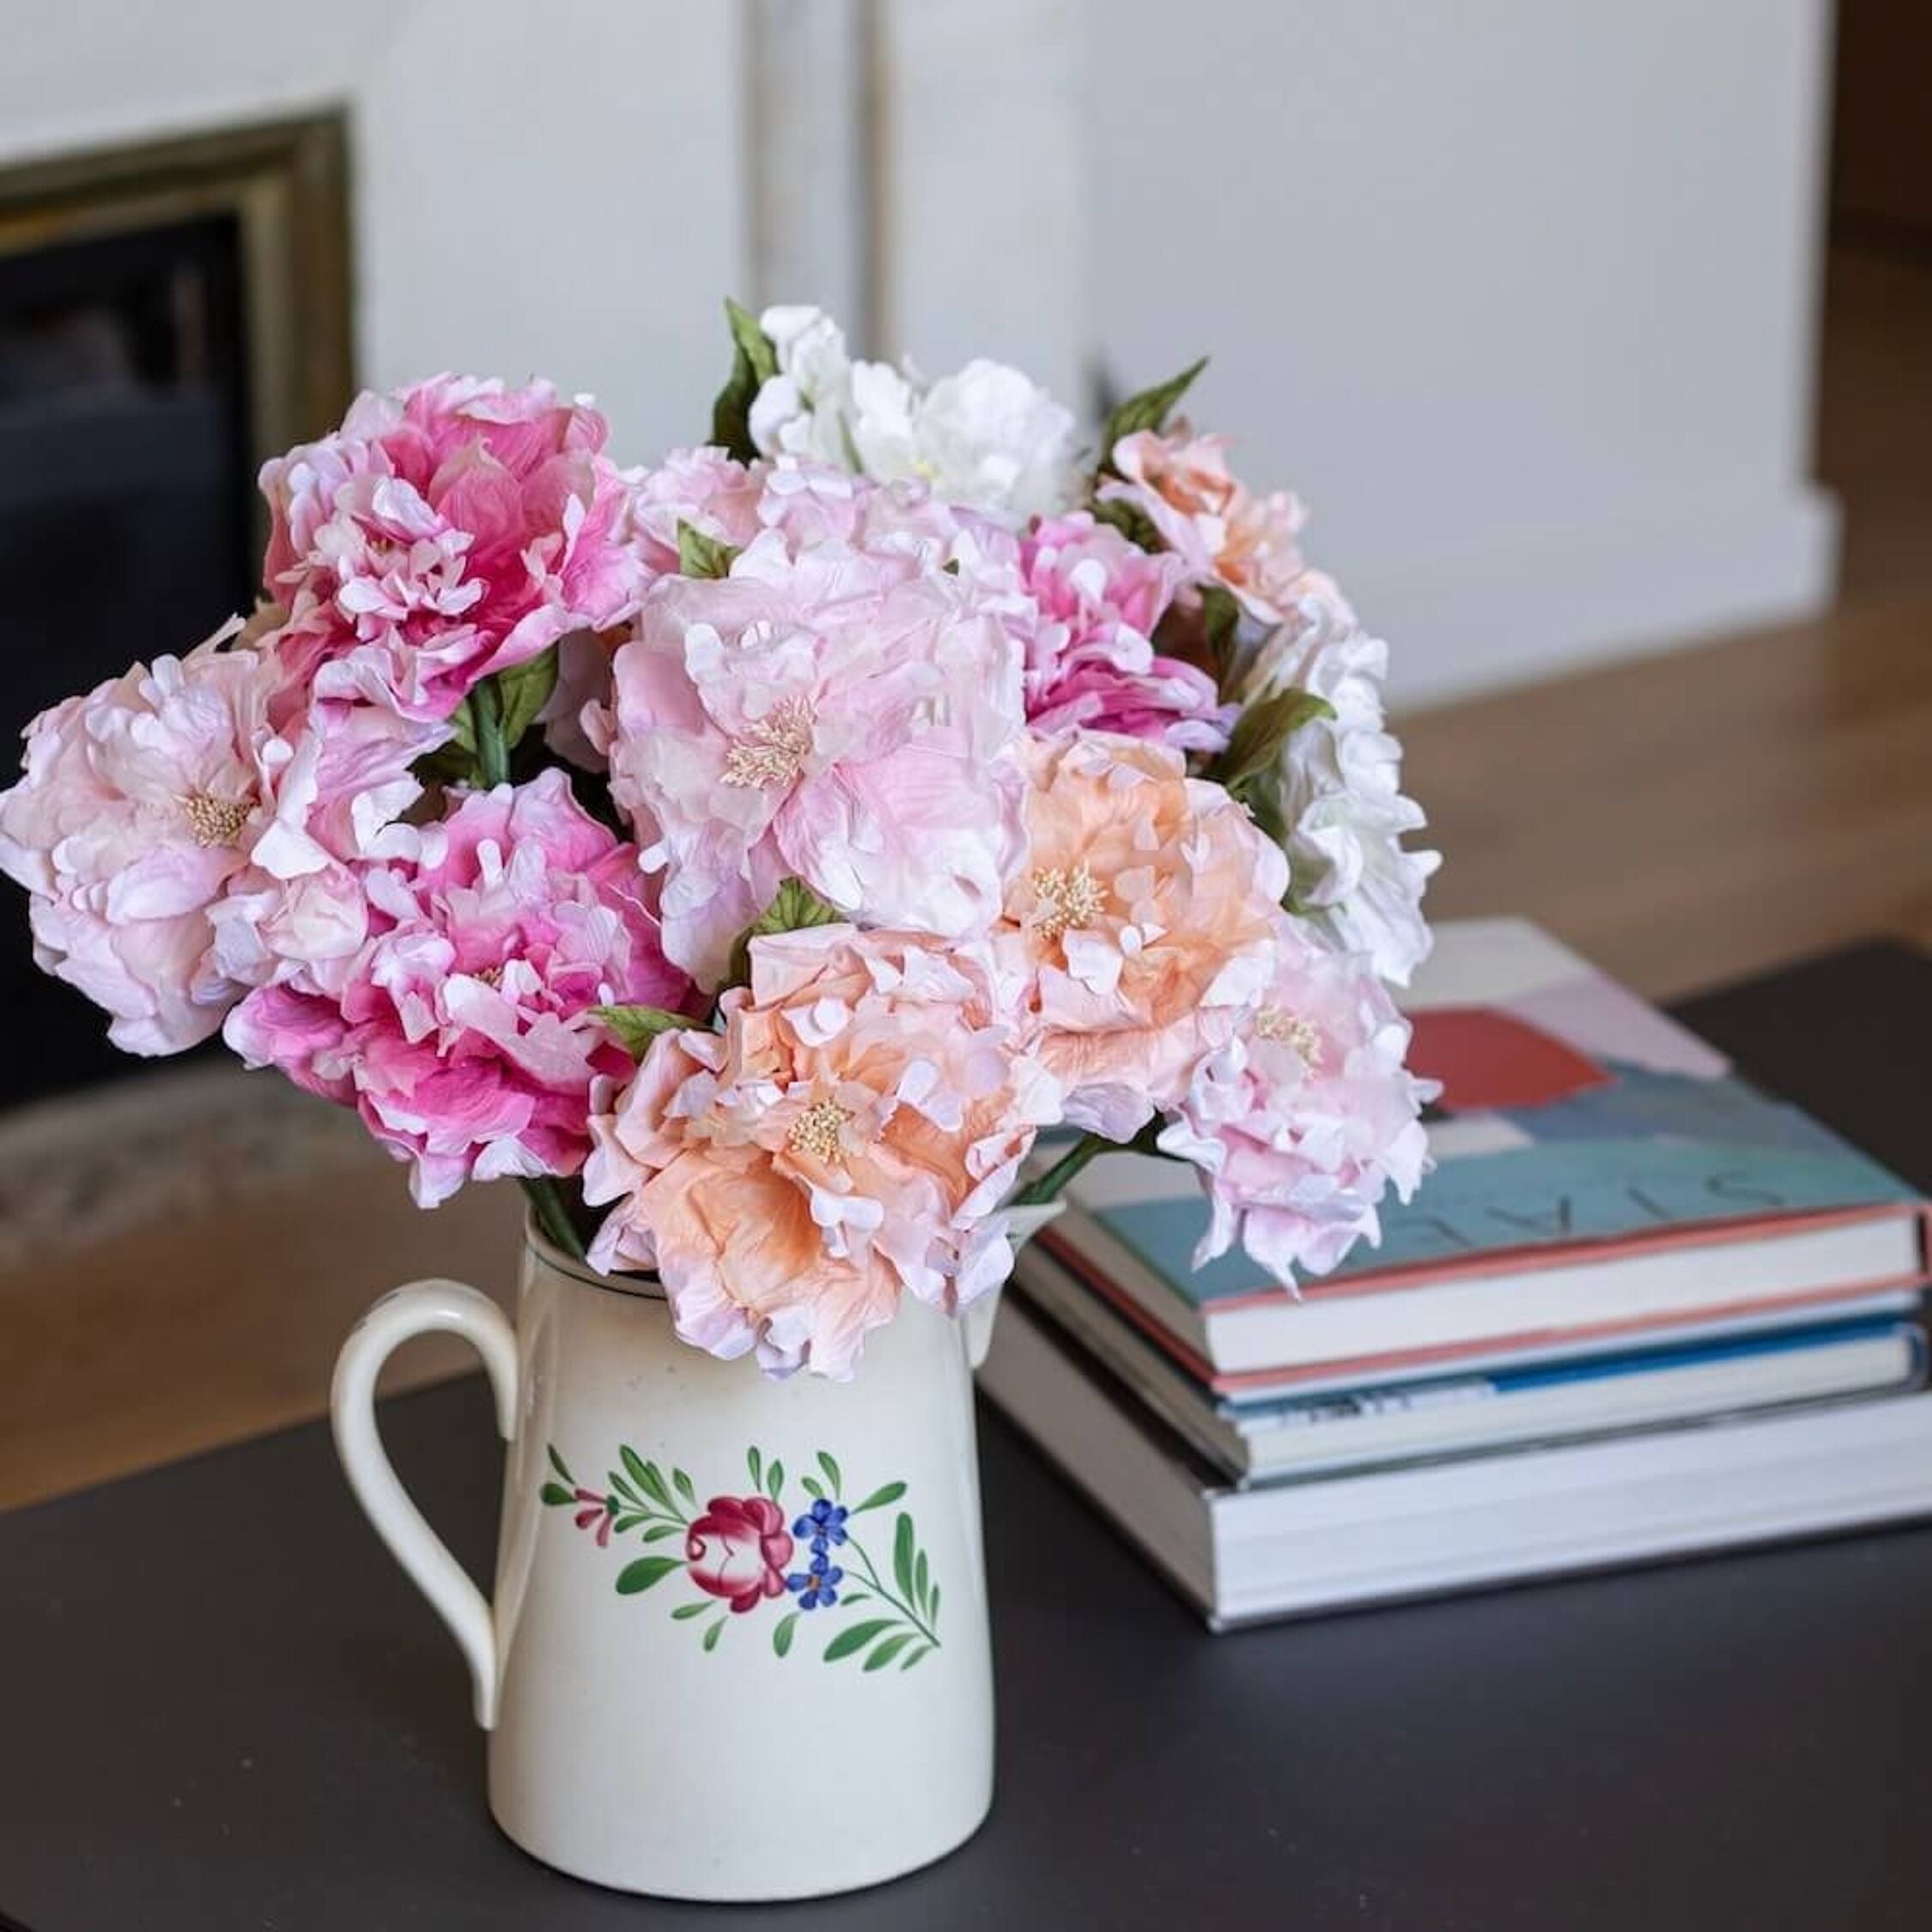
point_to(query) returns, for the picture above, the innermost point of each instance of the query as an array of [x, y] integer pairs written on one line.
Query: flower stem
[[546, 1203], [486, 712], [1048, 1188]]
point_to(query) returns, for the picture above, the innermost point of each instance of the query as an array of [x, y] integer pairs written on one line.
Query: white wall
[[554, 190], [1520, 297]]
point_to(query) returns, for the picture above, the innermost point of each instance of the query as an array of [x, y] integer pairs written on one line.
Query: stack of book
[[1639, 1309]]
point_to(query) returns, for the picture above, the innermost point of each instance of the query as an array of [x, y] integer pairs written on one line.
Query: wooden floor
[[1691, 819], [1684, 820]]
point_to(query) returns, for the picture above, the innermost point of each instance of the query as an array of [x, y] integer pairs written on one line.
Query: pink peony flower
[[1302, 1118], [163, 816], [461, 1031], [843, 712], [444, 532], [1219, 529], [714, 492], [847, 1138], [1145, 907], [738, 1549], [1089, 663]]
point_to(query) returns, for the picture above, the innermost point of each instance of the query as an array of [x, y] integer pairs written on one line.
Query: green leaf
[[685, 1612], [902, 1554], [832, 1475], [557, 1463], [933, 1607], [854, 1596], [883, 1654], [636, 1468], [1221, 618], [658, 1531], [525, 689], [815, 1490], [1132, 522], [793, 908], [756, 1463], [752, 342], [1149, 410], [712, 1635], [913, 1657], [647, 1570], [684, 1488], [625, 1524], [634, 1028], [855, 1637], [657, 1489], [486, 721], [554, 1494], [462, 726], [700, 556], [754, 362], [922, 1578], [890, 1493], [781, 1638], [775, 1480], [1260, 731], [624, 1489]]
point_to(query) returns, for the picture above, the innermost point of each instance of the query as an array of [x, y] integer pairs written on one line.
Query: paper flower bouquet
[[754, 855]]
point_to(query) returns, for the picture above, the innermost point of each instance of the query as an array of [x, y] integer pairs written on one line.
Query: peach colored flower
[[1218, 526], [1144, 906], [846, 1138]]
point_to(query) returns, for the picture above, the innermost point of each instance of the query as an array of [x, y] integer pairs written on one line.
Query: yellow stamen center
[[818, 1133], [1290, 1030], [774, 750], [1071, 896], [215, 821]]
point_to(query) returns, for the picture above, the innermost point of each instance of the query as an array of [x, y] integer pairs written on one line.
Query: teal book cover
[[1573, 1117]]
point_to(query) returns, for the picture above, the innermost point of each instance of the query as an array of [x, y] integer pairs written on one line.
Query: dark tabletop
[[223, 1706]]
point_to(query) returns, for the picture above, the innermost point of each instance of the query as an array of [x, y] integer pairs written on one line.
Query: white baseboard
[[1682, 574]]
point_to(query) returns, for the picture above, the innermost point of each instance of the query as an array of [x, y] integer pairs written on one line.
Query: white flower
[[1337, 787], [803, 409], [989, 438]]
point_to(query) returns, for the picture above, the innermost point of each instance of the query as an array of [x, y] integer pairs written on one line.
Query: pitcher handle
[[424, 1308]]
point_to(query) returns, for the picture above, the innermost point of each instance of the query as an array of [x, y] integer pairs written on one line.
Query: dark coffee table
[[222, 1708]]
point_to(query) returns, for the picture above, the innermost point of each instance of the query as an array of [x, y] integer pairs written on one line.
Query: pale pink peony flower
[[1146, 905], [445, 531], [1090, 661], [846, 713], [155, 804], [463, 1033], [846, 1138], [715, 493], [1220, 529], [1306, 1115]]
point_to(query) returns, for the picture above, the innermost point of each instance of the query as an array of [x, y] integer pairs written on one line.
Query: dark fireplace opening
[[126, 507], [169, 315]]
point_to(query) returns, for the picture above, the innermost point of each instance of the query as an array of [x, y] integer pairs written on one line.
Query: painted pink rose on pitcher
[[738, 1550]]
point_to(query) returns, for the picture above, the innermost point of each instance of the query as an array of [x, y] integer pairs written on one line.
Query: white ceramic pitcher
[[738, 1645]]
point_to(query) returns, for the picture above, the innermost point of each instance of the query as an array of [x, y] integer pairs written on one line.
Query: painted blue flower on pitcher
[[823, 1525]]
